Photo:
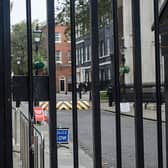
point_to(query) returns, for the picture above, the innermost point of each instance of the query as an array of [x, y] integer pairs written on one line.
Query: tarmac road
[[108, 138]]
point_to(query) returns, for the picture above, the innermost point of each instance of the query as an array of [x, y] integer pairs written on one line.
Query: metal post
[[139, 142], [36, 72], [158, 85], [5, 87], [166, 103], [36, 103], [16, 112], [42, 146], [36, 50], [117, 84], [30, 77], [74, 89], [95, 86], [36, 151], [52, 87]]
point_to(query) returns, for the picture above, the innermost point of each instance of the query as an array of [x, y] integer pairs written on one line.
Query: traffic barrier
[[67, 105]]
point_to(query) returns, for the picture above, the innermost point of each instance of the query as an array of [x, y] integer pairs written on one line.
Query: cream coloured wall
[[147, 40]]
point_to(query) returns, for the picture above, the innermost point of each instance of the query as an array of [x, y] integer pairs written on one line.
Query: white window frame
[[102, 48], [86, 54], [82, 61], [77, 57], [90, 53], [108, 46], [57, 37], [69, 56], [60, 56]]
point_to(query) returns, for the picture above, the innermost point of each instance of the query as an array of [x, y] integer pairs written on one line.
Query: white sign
[[125, 107]]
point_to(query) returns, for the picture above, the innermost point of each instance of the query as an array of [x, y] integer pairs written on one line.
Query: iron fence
[[30, 136], [37, 146]]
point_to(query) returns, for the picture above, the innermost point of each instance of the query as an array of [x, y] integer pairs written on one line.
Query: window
[[101, 48], [82, 59], [58, 57], [108, 46], [57, 37], [86, 54], [69, 79], [69, 56], [77, 56], [90, 52]]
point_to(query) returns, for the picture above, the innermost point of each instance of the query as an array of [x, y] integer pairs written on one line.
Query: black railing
[[37, 144], [136, 93]]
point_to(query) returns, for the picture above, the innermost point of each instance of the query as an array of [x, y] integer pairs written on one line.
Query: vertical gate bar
[[29, 52], [36, 150], [30, 78], [2, 120], [6, 159], [74, 93], [158, 85], [139, 141], [52, 87], [42, 145], [117, 84], [166, 104], [7, 85], [97, 158]]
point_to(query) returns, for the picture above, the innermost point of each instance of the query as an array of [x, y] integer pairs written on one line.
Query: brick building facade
[[63, 60], [62, 57]]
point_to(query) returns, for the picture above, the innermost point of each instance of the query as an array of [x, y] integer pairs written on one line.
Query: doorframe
[[62, 78]]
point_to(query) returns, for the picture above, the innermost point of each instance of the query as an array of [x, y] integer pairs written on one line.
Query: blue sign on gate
[[62, 135]]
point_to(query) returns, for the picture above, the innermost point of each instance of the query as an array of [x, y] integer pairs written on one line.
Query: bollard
[[110, 96], [80, 94]]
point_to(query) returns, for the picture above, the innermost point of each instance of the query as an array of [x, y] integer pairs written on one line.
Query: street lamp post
[[18, 62], [37, 38]]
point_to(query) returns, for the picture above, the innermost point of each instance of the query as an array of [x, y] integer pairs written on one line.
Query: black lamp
[[37, 37]]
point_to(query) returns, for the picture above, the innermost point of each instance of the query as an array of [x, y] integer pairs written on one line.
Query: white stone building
[[147, 40]]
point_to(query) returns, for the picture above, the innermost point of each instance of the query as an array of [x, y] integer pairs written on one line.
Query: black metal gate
[[48, 84]]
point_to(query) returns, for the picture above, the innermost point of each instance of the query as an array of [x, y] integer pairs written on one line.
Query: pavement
[[68, 96], [65, 152], [149, 112]]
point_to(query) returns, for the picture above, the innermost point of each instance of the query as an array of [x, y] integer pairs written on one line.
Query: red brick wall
[[62, 72], [64, 46], [64, 69]]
